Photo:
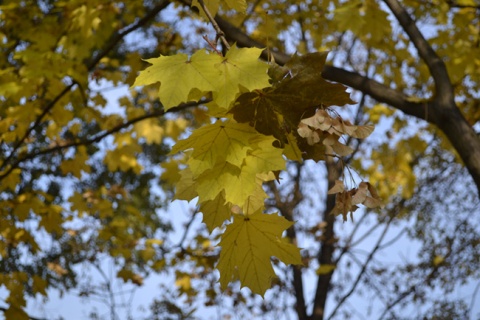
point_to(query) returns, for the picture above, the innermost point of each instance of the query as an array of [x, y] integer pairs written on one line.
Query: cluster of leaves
[[262, 121], [66, 199], [76, 178]]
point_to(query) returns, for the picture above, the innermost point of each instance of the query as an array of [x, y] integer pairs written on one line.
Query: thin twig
[[474, 295], [362, 271], [99, 137], [220, 33], [114, 40]]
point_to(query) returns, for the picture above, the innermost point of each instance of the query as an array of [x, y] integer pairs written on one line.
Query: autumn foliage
[[225, 119]]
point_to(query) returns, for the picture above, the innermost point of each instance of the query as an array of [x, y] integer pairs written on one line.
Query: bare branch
[[100, 136], [325, 255], [443, 86], [380, 92], [286, 209], [363, 269]]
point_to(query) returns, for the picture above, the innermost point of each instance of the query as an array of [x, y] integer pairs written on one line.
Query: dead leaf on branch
[[298, 89], [324, 128], [347, 200]]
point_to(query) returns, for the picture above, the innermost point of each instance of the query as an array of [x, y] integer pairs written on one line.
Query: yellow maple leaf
[[186, 188], [195, 72], [222, 141], [239, 181], [238, 5], [212, 7], [247, 246], [241, 68], [256, 200], [123, 158], [150, 130], [325, 269], [220, 179], [78, 164], [215, 211]]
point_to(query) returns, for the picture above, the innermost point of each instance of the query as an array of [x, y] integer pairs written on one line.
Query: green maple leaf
[[298, 90], [240, 182], [240, 69], [219, 179], [221, 141], [256, 200], [179, 75], [264, 157], [247, 246]]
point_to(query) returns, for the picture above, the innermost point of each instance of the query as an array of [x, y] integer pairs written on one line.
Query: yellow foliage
[[78, 164], [123, 158], [325, 269], [247, 245], [150, 130]]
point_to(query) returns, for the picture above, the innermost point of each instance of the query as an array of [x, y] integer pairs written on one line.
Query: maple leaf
[[256, 200], [298, 90], [240, 182], [247, 246], [221, 141], [150, 130], [325, 269], [212, 7], [347, 200], [264, 157], [195, 72], [77, 164], [291, 149], [220, 179], [240, 69], [185, 189], [215, 211], [237, 5]]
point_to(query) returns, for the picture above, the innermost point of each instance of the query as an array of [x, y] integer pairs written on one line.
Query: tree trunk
[[327, 249]]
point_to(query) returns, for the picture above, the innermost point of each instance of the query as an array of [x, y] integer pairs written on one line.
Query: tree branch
[[363, 269], [373, 88], [100, 136], [218, 30], [325, 255], [443, 86], [114, 40], [286, 209], [243, 40], [380, 92], [442, 111]]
